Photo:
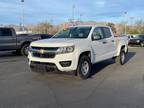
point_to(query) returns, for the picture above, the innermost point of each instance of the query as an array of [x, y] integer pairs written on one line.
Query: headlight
[[63, 50]]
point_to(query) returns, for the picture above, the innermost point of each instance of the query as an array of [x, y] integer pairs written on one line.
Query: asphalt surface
[[110, 86]]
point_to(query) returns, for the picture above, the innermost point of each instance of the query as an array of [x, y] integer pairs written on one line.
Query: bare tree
[[112, 25]]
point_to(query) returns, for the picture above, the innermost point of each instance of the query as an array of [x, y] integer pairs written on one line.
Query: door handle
[[105, 42], [112, 41]]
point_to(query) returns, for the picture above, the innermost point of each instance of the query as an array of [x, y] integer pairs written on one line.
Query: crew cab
[[77, 49], [9, 41]]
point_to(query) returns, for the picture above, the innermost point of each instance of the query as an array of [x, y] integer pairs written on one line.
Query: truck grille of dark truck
[[49, 52]]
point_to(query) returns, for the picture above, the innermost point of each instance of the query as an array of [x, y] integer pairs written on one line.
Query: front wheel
[[122, 58], [24, 49], [84, 67]]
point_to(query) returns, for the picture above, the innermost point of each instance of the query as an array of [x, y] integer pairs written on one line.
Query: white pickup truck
[[77, 49]]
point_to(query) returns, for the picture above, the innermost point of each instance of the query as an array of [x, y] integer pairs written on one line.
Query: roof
[[90, 26]]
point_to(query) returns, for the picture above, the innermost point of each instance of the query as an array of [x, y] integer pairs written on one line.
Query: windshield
[[74, 32]]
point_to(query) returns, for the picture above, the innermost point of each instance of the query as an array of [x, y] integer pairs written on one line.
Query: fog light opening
[[65, 63]]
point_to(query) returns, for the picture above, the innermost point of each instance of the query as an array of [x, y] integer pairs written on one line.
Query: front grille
[[45, 55], [44, 52], [45, 48]]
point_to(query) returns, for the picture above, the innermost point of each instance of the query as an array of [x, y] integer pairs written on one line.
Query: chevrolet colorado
[[76, 49]]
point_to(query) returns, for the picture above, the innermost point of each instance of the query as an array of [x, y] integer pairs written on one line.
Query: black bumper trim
[[43, 65]]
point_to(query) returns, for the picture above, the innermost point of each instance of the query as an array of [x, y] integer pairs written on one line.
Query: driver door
[[98, 44], [7, 39]]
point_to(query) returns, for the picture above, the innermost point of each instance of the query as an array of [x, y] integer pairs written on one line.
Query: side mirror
[[96, 37]]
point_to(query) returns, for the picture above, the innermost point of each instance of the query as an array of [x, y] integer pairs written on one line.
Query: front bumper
[[70, 61]]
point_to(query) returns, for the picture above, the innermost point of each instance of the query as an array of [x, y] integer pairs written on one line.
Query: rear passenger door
[[109, 42], [7, 39]]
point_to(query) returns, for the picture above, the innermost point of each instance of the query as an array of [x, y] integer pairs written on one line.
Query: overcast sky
[[57, 11]]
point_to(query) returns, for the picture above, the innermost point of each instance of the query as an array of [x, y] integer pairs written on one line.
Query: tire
[[121, 58], [84, 67], [24, 50], [142, 44]]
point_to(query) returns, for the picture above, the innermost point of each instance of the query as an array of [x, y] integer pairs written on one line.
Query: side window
[[5, 32], [107, 32], [97, 34]]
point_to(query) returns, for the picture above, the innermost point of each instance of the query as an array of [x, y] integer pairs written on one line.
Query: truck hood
[[53, 42]]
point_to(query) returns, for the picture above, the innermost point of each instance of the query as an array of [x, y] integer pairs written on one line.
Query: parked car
[[20, 43], [76, 49], [138, 40]]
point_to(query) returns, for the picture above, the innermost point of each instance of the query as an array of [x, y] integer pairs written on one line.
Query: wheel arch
[[123, 47], [26, 42], [87, 53]]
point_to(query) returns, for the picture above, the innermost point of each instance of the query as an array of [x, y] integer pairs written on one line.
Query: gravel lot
[[111, 85]]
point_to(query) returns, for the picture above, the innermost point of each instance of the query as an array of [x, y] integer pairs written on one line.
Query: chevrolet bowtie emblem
[[42, 51]]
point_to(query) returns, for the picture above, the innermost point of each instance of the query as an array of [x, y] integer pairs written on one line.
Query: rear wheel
[[84, 67], [121, 58], [24, 49]]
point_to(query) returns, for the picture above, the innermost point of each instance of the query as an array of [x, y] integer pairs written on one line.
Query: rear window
[[5, 32], [107, 32]]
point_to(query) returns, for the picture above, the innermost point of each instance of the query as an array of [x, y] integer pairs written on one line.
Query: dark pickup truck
[[20, 43]]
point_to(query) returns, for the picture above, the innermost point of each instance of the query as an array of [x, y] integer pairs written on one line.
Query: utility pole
[[125, 15], [22, 17], [73, 14]]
